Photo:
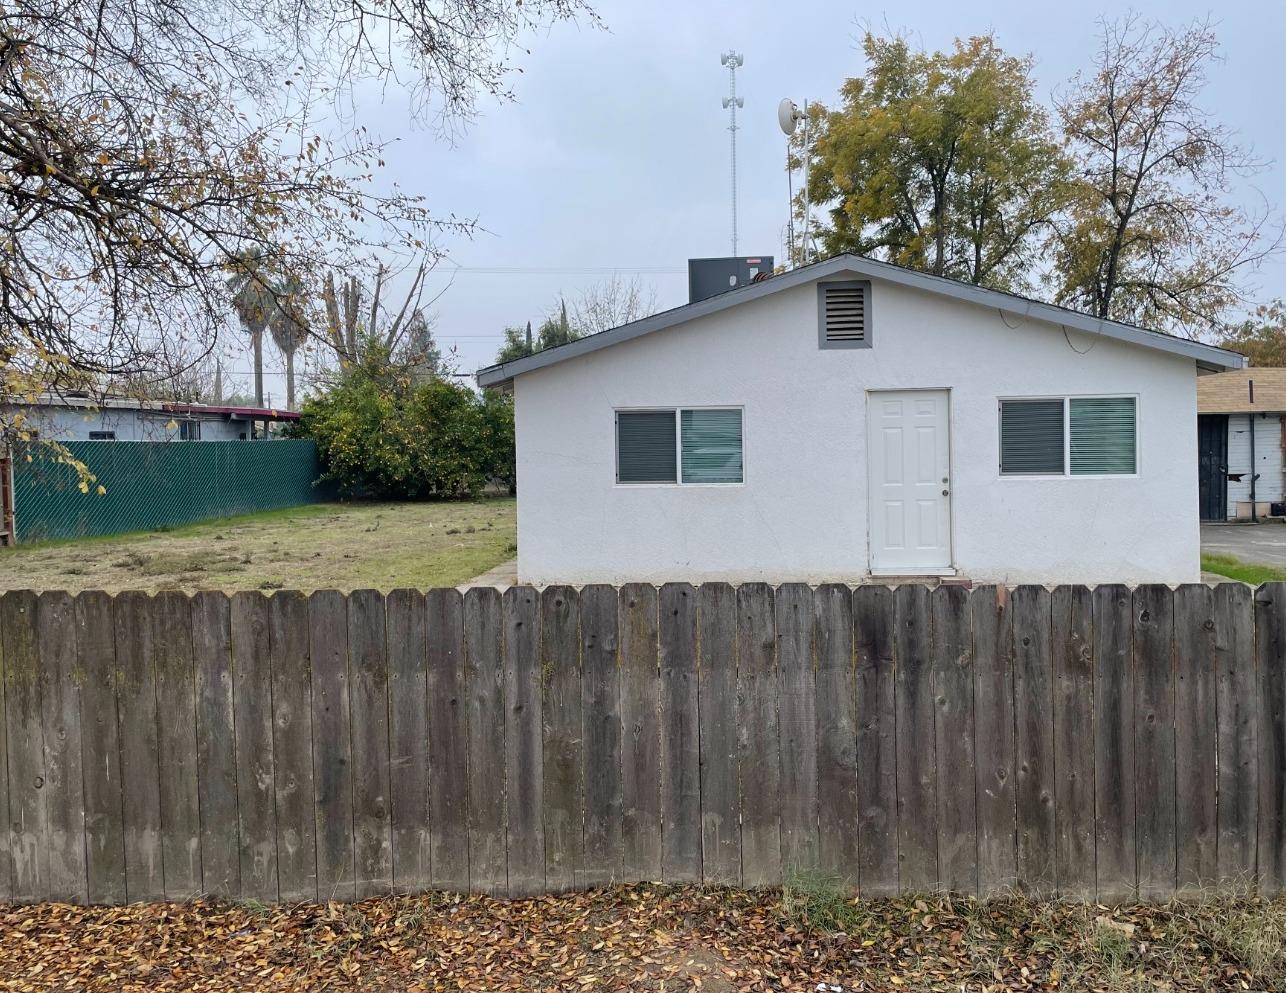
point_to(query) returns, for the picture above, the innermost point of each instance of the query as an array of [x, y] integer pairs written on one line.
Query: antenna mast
[[731, 102]]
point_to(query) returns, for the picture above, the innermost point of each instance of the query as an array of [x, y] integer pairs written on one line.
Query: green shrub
[[381, 435]]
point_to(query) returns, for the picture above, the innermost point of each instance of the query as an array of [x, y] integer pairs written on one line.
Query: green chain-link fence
[[157, 484]]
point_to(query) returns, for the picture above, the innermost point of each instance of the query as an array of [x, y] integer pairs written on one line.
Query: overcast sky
[[615, 154]]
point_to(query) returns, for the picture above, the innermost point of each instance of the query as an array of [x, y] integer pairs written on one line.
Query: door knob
[[944, 493]]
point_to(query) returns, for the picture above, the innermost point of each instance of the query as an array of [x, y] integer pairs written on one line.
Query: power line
[[564, 270]]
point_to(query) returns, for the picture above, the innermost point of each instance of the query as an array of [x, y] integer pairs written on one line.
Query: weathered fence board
[[406, 620], [61, 719], [953, 693], [561, 667], [680, 753], [640, 734], [216, 744], [368, 689], [1270, 627], [6, 825], [1237, 759], [601, 738], [1073, 640], [484, 682], [100, 743], [1114, 821], [1196, 662], [256, 770], [1154, 785], [836, 709], [524, 770], [758, 743], [917, 765], [875, 635], [29, 823], [448, 752], [332, 745], [1097, 744], [717, 705], [171, 642], [1034, 738], [292, 737], [993, 696], [140, 779], [797, 727]]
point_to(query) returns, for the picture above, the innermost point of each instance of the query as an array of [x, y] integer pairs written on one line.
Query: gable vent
[[844, 314]]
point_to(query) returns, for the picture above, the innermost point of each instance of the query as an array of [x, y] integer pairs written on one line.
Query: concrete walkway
[[1262, 544], [501, 577]]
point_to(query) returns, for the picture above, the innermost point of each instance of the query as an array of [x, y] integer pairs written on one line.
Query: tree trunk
[[290, 379], [258, 343], [940, 232]]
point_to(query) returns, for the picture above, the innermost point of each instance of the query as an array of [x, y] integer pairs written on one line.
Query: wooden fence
[[1097, 743]]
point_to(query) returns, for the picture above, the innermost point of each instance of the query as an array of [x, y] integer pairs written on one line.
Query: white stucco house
[[851, 420]]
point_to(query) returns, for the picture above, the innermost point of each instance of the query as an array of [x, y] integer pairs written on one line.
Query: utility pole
[[731, 102]]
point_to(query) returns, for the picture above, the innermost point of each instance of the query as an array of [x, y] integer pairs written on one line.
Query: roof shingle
[[1229, 392]]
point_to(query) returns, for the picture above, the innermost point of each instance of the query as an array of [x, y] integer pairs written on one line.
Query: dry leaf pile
[[648, 937]]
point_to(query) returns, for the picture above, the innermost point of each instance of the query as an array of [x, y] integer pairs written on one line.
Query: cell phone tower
[[731, 102]]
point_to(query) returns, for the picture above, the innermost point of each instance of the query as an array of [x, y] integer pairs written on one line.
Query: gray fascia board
[[1207, 356], [657, 322]]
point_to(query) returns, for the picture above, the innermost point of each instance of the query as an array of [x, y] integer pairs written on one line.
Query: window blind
[[711, 442], [1031, 437], [1103, 435], [645, 446]]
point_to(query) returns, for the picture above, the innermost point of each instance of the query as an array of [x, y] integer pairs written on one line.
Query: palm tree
[[255, 301], [287, 326]]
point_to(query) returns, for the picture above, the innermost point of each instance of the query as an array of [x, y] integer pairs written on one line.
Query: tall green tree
[[518, 344], [254, 299], [944, 162], [1153, 234], [1262, 336], [554, 330]]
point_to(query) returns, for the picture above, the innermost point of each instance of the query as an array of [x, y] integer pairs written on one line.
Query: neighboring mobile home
[[854, 419], [82, 417], [1241, 432]]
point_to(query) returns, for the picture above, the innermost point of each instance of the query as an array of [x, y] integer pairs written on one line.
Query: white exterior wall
[[801, 513], [1268, 458]]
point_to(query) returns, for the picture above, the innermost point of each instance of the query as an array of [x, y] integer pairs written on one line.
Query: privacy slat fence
[[1099, 743]]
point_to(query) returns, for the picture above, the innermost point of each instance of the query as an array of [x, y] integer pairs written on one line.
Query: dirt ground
[[646, 938], [322, 546]]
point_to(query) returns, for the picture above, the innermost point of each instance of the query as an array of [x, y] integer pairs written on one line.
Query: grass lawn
[[649, 938], [321, 546], [1246, 572]]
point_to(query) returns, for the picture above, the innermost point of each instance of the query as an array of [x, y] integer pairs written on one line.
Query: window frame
[[1066, 400], [677, 411]]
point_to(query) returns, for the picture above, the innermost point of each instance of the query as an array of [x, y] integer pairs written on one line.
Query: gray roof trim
[[1207, 357]]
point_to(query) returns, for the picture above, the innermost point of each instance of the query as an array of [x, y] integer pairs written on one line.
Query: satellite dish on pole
[[788, 115]]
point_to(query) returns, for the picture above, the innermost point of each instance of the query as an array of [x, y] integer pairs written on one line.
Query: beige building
[[1241, 428]]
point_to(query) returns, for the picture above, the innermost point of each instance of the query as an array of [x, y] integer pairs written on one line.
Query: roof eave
[[1208, 357]]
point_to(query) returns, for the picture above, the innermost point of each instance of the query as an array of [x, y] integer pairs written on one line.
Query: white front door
[[909, 467]]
